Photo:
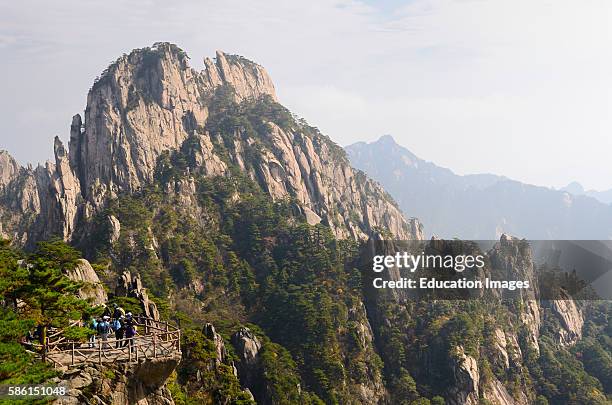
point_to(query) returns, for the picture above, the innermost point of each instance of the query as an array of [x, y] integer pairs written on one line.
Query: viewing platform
[[154, 339]]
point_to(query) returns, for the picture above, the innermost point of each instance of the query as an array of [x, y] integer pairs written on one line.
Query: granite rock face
[[570, 318], [467, 379], [125, 384], [10, 169], [93, 289], [247, 347], [42, 202], [131, 286], [149, 103], [210, 332], [513, 259]]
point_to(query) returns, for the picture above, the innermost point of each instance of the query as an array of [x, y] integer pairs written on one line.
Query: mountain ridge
[[478, 206], [575, 188], [150, 101]]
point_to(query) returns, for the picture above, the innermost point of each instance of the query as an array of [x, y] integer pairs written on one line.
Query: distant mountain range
[[576, 188], [480, 206]]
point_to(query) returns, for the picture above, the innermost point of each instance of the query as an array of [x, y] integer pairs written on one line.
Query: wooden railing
[[154, 339]]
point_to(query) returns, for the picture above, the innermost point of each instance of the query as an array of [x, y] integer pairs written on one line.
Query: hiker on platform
[[38, 334], [93, 325], [119, 328], [107, 311], [104, 329], [130, 329], [118, 312], [28, 339]]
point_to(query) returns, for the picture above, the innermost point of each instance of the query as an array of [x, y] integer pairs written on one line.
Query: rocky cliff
[[131, 384], [480, 347], [151, 102], [10, 169], [512, 259]]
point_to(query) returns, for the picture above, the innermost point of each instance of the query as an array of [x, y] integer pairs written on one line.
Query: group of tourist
[[122, 324]]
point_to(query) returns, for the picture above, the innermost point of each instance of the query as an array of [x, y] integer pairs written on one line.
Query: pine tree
[[13, 277], [50, 295]]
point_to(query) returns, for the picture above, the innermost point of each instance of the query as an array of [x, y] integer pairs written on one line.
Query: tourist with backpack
[[130, 329], [118, 312], [103, 328], [93, 325], [118, 327]]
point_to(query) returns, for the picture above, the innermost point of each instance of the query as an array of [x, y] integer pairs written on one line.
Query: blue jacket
[[103, 327], [116, 325]]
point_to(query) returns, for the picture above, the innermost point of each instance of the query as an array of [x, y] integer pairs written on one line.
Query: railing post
[[72, 353], [135, 348], [154, 345], [100, 351], [129, 347], [45, 342]]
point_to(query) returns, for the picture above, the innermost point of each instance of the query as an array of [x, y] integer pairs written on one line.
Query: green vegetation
[[205, 379], [46, 298], [49, 296], [580, 374]]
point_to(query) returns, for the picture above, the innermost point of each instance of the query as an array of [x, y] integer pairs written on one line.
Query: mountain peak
[[150, 104], [249, 79], [367, 153], [387, 139], [574, 188], [151, 82], [481, 206], [9, 168], [167, 60]]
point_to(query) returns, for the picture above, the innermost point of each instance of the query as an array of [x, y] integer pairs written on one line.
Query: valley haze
[[478, 206]]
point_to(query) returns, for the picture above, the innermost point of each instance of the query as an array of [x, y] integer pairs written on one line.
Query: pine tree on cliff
[[50, 295], [12, 276]]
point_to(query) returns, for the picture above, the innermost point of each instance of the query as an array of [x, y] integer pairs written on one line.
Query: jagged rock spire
[[150, 102], [9, 168]]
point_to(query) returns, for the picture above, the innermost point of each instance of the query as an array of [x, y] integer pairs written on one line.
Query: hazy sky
[[520, 88]]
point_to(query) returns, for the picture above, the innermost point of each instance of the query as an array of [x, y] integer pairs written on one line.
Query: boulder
[[93, 289], [247, 347], [131, 286]]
